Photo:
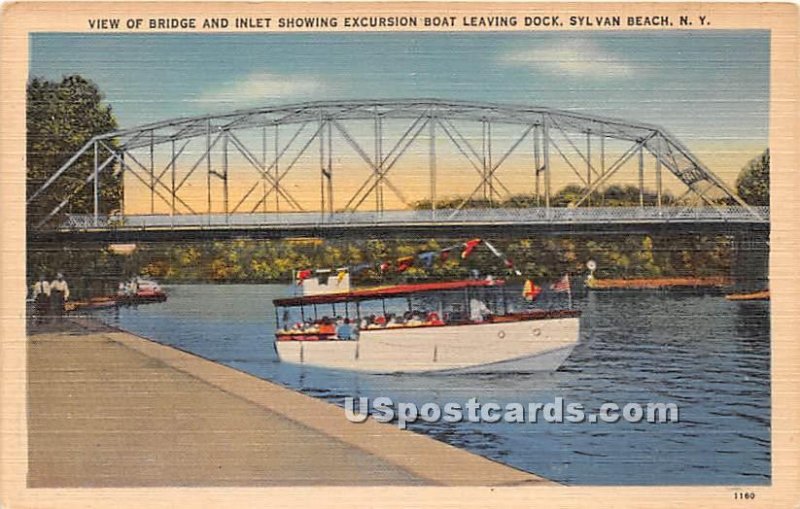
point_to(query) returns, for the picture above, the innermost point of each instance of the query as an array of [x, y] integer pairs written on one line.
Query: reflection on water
[[706, 354]]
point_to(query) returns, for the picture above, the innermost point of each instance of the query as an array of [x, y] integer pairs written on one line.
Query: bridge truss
[[175, 158]]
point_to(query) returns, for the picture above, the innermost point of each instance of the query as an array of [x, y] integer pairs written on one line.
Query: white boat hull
[[519, 346]]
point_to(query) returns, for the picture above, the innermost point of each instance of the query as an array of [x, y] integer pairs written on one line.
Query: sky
[[708, 88]]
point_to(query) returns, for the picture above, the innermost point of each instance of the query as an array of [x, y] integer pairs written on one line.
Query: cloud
[[262, 87], [577, 58]]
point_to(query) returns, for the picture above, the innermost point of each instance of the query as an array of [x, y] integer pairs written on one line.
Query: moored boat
[[759, 295], [458, 326]]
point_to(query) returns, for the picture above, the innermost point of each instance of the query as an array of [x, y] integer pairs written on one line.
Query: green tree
[[752, 185], [61, 117]]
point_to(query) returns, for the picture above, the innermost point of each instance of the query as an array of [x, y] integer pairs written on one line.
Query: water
[[707, 355]]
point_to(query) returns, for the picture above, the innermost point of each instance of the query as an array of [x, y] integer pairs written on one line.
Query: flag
[[427, 258], [385, 266], [562, 285], [340, 276], [358, 268], [302, 275], [493, 249], [469, 246], [404, 263], [530, 291]]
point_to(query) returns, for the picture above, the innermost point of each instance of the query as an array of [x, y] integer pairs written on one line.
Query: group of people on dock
[[49, 297]]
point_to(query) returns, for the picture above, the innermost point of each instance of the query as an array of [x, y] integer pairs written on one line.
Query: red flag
[[469, 246], [562, 285], [302, 275], [404, 263]]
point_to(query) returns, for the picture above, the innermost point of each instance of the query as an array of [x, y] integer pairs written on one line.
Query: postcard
[[399, 254]]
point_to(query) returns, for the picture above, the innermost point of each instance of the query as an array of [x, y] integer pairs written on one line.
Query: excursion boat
[[458, 326], [139, 291]]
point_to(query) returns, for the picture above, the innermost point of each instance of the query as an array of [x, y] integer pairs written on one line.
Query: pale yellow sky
[[455, 177]]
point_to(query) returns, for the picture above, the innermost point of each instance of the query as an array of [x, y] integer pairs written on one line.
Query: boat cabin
[[345, 315]]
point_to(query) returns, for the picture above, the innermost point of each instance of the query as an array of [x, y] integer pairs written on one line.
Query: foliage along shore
[[94, 272]]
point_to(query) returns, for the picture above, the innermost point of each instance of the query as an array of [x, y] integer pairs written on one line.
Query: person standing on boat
[[59, 294], [41, 298]]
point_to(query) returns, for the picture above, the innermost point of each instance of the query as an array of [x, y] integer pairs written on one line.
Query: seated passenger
[[327, 327], [478, 312], [393, 322], [433, 319], [414, 320], [345, 330]]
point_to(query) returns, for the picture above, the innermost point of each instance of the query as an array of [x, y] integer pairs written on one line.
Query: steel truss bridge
[[184, 167]]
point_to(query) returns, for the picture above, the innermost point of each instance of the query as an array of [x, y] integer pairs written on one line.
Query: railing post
[[658, 170], [225, 175], [641, 174], [152, 174], [546, 166], [172, 187], [264, 169], [330, 169], [321, 169], [277, 169], [432, 164], [378, 170], [589, 165], [536, 162], [96, 189], [208, 167]]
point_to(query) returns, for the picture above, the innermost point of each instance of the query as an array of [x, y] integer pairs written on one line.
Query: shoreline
[[659, 283], [110, 408]]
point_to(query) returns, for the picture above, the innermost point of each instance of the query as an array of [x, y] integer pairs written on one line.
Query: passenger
[[345, 330], [393, 322], [310, 327], [364, 323], [478, 312], [380, 321], [414, 320], [433, 319], [339, 320], [327, 327]]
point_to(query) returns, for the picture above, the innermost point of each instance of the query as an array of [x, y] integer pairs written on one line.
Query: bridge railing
[[443, 216]]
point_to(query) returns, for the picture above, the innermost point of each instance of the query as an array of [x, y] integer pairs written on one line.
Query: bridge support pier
[[750, 261]]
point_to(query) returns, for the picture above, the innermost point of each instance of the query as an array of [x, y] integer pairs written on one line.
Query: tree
[[752, 185], [61, 118]]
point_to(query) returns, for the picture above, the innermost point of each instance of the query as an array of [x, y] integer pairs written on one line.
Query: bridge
[[387, 168]]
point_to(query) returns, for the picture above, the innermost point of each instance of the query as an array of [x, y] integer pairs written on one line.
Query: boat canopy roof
[[382, 292]]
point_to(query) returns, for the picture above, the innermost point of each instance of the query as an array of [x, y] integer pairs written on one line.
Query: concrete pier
[[110, 409]]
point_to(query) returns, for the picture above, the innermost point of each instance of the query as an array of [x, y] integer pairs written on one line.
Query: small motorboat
[[139, 291]]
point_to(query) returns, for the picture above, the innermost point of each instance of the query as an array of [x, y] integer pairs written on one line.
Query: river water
[[709, 356]]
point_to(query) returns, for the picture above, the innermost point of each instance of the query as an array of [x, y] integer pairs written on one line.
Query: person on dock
[[59, 294], [41, 298]]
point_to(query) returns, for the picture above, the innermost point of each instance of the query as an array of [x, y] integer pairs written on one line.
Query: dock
[[110, 409], [658, 283]]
